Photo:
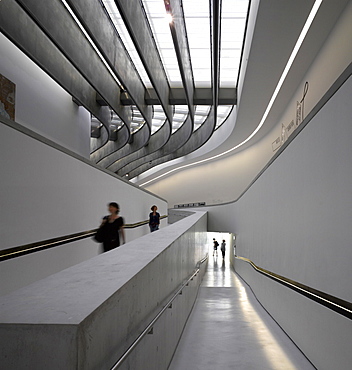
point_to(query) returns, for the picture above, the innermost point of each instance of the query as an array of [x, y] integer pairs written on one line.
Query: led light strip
[[293, 55]]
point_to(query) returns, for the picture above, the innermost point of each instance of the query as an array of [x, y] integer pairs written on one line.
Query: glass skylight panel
[[159, 24], [197, 21], [233, 21], [126, 39]]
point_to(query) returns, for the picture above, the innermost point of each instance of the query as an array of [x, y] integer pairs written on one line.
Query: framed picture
[[7, 98]]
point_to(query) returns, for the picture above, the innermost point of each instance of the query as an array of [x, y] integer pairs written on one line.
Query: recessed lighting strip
[[293, 55]]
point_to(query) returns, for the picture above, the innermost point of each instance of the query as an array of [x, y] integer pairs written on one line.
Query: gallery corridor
[[229, 329]]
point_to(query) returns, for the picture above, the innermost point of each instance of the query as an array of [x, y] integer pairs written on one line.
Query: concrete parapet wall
[[85, 317]]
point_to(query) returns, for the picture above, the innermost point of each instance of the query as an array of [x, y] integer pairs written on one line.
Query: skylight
[[198, 30], [156, 14], [197, 20], [116, 19], [233, 22]]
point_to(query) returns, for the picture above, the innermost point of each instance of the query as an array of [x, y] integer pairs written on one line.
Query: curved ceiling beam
[[215, 51], [203, 134], [39, 48], [75, 46], [136, 22], [177, 140], [100, 28], [97, 143], [198, 138], [157, 141], [178, 33]]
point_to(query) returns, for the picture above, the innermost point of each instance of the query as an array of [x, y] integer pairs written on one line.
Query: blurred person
[[111, 229]]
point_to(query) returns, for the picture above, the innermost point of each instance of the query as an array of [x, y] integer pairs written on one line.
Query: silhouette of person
[[154, 219], [223, 248], [216, 244]]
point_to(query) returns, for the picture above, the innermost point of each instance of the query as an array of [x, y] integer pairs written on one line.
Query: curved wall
[[295, 220], [48, 192], [225, 179]]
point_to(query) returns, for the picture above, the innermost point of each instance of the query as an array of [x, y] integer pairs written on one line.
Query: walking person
[[216, 244], [154, 219], [223, 248], [111, 229]]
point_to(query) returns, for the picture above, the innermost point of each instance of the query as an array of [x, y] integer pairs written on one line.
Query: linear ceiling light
[[293, 55]]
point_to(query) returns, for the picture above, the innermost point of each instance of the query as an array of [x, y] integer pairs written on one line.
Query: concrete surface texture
[[229, 329], [86, 316]]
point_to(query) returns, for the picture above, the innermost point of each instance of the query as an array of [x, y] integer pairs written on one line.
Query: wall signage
[[199, 204]]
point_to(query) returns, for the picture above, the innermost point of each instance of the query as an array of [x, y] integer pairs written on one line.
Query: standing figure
[[154, 219], [111, 228], [216, 244], [223, 248]]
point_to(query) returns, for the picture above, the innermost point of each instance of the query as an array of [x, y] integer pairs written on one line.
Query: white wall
[[41, 104], [295, 220], [225, 179], [47, 193]]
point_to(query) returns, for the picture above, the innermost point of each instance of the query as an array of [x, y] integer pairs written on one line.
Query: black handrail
[[22, 250], [149, 327], [336, 304]]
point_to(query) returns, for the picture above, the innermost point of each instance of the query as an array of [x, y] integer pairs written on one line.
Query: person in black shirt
[[112, 228], [154, 219]]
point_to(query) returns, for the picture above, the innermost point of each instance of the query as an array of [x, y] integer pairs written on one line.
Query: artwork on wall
[[7, 98]]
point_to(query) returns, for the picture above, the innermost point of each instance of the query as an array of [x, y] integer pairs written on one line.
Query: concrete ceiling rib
[[40, 48], [103, 33], [177, 140], [76, 48], [178, 32], [136, 22], [179, 37], [203, 134]]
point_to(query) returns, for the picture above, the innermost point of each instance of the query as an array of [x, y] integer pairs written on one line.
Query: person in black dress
[[113, 228], [154, 219]]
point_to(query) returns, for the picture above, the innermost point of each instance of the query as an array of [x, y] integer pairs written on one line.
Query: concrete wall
[[295, 220], [323, 335], [47, 193], [225, 179], [41, 104], [86, 316]]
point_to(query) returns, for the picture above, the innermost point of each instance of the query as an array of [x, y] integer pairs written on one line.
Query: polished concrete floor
[[229, 329]]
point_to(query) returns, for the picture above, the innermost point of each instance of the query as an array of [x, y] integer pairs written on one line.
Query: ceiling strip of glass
[[233, 22], [126, 39], [196, 13], [159, 23]]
